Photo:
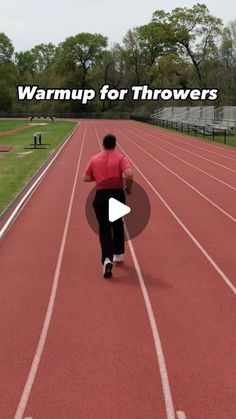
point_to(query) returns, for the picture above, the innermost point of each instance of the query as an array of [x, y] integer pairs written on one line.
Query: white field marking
[[39, 123], [187, 231], [181, 415], [184, 161], [39, 351], [203, 148], [190, 152], [23, 201], [182, 180], [170, 412], [22, 155]]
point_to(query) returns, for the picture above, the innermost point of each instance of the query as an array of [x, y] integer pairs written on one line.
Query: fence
[[186, 127], [88, 115]]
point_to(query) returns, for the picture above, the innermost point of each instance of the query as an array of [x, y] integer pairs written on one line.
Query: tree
[[142, 47], [7, 72], [194, 31], [154, 43], [173, 71], [133, 53], [26, 65], [227, 75], [81, 52], [44, 55], [6, 48]]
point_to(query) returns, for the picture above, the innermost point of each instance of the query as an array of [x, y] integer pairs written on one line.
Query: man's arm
[[88, 173], [128, 176], [88, 178]]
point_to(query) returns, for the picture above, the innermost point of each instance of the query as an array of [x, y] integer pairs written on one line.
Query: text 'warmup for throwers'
[[136, 93]]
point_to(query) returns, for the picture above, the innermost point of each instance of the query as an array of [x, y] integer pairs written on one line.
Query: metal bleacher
[[202, 119]]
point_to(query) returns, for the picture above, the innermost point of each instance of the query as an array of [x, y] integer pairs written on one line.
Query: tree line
[[185, 48]]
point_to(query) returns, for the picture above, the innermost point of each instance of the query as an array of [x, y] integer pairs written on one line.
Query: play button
[[135, 208], [117, 210]]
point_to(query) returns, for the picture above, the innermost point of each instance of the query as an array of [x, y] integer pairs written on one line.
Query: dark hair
[[109, 141]]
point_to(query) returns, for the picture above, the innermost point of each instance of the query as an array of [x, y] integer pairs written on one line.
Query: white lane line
[[181, 415], [171, 136], [184, 161], [23, 201], [188, 232], [181, 179], [188, 151], [170, 412], [39, 351]]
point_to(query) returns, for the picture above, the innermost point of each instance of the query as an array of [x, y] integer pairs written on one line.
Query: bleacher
[[202, 119]]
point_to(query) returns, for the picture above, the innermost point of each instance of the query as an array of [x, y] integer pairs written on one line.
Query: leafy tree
[[154, 43], [34, 65], [6, 48], [194, 31], [227, 75], [173, 71], [26, 65], [228, 44], [7, 72], [81, 52], [133, 53], [44, 55], [232, 29]]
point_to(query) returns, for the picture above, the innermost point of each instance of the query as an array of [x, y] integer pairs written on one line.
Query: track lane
[[46, 325], [166, 388], [226, 152], [105, 362], [215, 193], [197, 305], [175, 156], [99, 358], [204, 220], [204, 162], [28, 255]]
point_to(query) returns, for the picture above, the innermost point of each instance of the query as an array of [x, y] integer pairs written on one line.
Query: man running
[[113, 176]]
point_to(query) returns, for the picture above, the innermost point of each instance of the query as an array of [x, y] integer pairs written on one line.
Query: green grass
[[6, 124], [19, 165], [230, 139]]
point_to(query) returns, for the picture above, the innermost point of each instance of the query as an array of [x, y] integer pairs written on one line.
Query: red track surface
[[99, 359]]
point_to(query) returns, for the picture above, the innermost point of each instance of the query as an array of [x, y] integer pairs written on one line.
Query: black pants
[[111, 235]]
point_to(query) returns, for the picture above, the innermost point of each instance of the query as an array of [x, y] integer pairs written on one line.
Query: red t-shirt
[[105, 166]]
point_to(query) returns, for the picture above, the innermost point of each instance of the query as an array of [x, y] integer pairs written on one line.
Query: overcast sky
[[28, 23]]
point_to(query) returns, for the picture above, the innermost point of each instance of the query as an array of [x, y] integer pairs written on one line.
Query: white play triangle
[[117, 210]]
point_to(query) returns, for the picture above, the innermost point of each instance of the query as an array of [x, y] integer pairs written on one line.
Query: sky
[[28, 23]]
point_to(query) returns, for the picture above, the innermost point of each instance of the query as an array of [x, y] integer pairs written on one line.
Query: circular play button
[[134, 208], [117, 210]]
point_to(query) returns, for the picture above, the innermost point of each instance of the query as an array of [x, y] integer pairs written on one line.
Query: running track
[[158, 340]]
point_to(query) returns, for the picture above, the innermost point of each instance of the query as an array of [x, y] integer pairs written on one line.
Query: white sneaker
[[107, 268], [118, 258]]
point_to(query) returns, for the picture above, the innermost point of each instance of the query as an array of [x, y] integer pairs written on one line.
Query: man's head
[[109, 142]]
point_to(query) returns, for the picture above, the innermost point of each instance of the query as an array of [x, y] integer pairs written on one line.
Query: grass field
[[7, 124], [19, 165], [230, 138]]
